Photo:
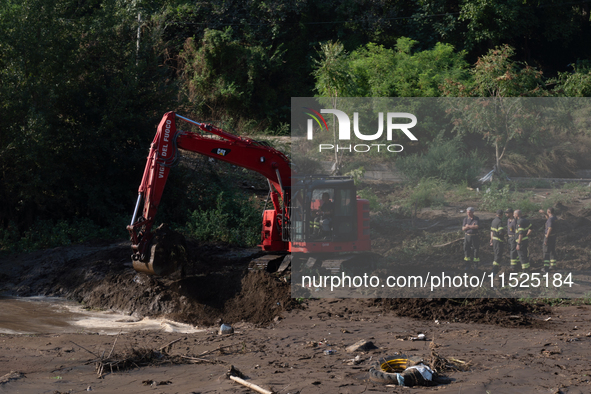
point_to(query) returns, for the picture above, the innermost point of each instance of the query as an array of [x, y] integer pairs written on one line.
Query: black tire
[[386, 369]]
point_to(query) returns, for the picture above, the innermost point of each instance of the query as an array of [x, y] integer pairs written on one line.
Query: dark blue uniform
[[523, 226], [471, 240], [512, 233], [498, 239]]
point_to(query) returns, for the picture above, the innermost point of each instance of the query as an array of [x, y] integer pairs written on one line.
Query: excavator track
[[279, 263]]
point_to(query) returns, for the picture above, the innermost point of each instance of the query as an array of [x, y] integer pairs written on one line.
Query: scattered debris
[[330, 352], [13, 375], [354, 361], [420, 337], [449, 243], [439, 363], [154, 383], [361, 345], [225, 329], [399, 370]]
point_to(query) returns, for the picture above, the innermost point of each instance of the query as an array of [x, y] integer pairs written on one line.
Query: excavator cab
[[323, 209], [342, 227]]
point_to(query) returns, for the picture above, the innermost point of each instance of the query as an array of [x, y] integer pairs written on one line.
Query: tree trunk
[[498, 169]]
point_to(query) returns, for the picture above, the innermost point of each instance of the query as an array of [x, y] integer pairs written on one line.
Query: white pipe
[[137, 207], [188, 120]]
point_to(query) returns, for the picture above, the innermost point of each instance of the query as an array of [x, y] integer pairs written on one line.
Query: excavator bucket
[[167, 253]]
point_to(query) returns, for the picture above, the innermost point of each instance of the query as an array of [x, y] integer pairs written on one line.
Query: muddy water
[[49, 315]]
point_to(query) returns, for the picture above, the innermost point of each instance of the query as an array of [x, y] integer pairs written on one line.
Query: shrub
[[495, 197], [45, 234], [374, 200], [444, 160], [232, 220], [428, 192]]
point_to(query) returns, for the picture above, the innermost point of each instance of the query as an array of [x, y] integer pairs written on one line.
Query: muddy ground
[[500, 345]]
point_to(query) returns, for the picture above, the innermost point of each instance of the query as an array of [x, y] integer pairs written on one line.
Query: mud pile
[[506, 312], [220, 288], [101, 277]]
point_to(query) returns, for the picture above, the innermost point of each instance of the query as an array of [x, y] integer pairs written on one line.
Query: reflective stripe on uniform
[[520, 229]]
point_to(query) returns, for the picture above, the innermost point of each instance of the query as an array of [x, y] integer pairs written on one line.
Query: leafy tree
[[494, 112], [83, 101], [333, 79], [332, 72], [383, 72], [445, 160], [576, 83], [223, 76]]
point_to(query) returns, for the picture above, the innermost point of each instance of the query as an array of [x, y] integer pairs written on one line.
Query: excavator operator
[[323, 219]]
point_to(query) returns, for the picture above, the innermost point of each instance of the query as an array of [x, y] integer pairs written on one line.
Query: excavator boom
[[215, 143]]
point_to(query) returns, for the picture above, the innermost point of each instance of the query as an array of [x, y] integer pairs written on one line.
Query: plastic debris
[[225, 329]]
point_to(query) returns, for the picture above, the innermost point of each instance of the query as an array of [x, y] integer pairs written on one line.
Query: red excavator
[[313, 215]]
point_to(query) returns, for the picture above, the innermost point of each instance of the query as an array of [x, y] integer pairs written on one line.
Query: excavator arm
[[215, 143]]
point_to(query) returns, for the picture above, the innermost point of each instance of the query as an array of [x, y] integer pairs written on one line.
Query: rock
[[361, 345], [225, 329]]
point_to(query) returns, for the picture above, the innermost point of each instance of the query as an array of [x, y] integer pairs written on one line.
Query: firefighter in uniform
[[471, 240], [549, 246], [497, 240], [523, 232], [512, 237]]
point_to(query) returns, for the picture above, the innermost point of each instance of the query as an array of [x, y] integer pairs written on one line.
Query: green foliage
[[490, 20], [495, 197], [232, 220], [429, 192], [305, 165], [526, 204], [498, 115], [382, 72], [461, 192], [332, 72], [222, 76], [45, 234], [83, 102], [375, 204], [496, 74], [375, 71], [576, 83], [444, 160], [357, 175]]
